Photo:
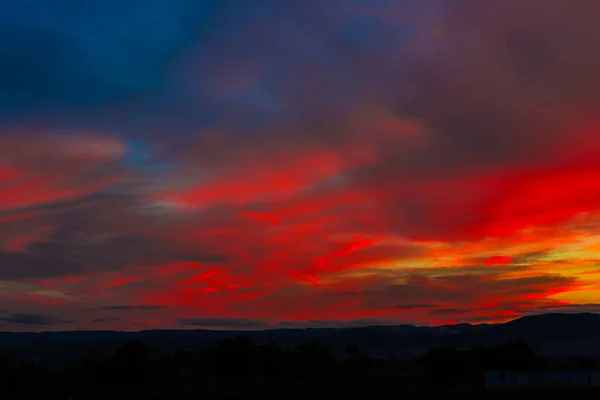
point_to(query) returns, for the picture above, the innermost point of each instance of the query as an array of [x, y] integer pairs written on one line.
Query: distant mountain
[[548, 334], [555, 326]]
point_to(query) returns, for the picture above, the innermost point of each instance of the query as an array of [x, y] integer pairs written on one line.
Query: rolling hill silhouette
[[548, 334]]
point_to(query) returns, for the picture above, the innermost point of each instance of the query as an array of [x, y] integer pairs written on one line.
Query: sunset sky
[[237, 164]]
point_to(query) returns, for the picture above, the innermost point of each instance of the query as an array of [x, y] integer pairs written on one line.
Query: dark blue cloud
[[180, 66], [231, 323], [33, 319], [129, 308], [80, 54], [107, 319]]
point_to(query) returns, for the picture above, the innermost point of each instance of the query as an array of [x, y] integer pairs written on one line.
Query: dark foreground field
[[312, 393], [238, 368]]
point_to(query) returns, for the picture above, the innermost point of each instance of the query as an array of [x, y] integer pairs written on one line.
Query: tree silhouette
[[184, 359], [238, 368], [234, 358], [358, 363], [314, 362], [131, 364], [443, 365], [272, 362], [513, 355], [584, 363]]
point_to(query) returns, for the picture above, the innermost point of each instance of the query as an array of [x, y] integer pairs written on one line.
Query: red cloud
[[498, 260], [39, 169], [368, 201]]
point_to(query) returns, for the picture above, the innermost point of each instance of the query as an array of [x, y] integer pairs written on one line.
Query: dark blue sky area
[[182, 64]]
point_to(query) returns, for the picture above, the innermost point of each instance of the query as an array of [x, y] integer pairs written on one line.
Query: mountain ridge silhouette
[[550, 334]]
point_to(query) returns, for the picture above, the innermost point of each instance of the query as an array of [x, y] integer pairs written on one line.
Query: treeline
[[445, 366], [239, 368]]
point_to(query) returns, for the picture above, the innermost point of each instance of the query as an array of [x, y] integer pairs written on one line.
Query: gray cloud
[[33, 319], [230, 323], [413, 306], [449, 311], [130, 308], [101, 232], [569, 308], [417, 297], [107, 319], [354, 323]]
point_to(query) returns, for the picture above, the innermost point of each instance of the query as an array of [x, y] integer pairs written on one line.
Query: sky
[[235, 164]]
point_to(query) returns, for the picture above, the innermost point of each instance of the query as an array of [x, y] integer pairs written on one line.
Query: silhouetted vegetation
[[449, 365], [238, 368]]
